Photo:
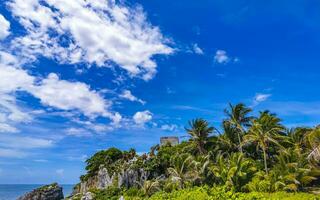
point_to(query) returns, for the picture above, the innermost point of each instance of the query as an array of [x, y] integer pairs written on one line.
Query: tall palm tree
[[199, 131], [238, 117], [263, 131], [228, 141]]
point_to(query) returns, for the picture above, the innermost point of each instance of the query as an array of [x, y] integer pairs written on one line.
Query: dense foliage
[[249, 157]]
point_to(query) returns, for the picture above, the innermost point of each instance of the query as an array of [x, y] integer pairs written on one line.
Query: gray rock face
[[104, 179], [127, 178], [47, 192], [87, 196]]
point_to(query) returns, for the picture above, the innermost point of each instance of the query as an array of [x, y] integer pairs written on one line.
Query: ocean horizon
[[13, 191]]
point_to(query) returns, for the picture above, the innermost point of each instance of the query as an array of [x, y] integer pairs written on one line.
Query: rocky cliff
[[125, 178], [112, 169], [47, 192]]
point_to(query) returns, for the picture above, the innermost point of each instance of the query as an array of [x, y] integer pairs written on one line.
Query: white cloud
[[261, 97], [81, 158], [221, 57], [41, 160], [6, 128], [78, 132], [52, 91], [11, 111], [126, 94], [19, 142], [12, 153], [142, 117], [169, 127], [94, 32], [11, 80], [197, 49], [68, 95], [4, 27], [14, 146]]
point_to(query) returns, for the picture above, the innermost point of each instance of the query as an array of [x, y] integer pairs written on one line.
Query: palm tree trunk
[[201, 148], [239, 138], [240, 147], [265, 160]]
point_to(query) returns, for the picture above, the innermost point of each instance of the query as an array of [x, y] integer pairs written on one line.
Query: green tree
[[264, 130], [228, 141], [239, 119], [233, 171], [149, 187], [104, 157], [183, 170], [199, 130]]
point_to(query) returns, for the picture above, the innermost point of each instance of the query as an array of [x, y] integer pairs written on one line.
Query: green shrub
[[110, 193], [133, 192], [102, 158], [218, 193]]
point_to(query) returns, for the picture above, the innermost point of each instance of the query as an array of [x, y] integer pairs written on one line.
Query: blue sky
[[80, 76]]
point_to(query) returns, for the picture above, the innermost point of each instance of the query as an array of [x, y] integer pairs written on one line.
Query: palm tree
[[149, 187], [312, 140], [238, 117], [263, 131], [294, 171], [183, 169], [199, 131], [153, 149], [228, 140], [233, 171]]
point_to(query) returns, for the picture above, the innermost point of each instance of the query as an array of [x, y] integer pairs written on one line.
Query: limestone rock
[[47, 192], [87, 196], [104, 179]]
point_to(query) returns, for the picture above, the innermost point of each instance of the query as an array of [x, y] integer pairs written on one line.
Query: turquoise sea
[[12, 191]]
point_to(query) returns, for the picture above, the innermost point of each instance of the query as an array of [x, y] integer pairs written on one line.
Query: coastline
[[13, 191]]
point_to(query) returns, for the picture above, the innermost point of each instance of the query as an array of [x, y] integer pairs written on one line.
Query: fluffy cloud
[[11, 80], [126, 94], [197, 49], [51, 91], [4, 27], [6, 128], [67, 95], [98, 32], [221, 57], [142, 117]]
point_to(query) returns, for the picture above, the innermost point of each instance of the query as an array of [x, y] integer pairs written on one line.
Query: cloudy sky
[[84, 75]]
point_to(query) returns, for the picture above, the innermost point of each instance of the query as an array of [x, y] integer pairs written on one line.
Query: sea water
[[12, 191]]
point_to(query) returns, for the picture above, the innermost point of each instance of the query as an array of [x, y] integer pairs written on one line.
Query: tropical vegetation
[[248, 157]]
